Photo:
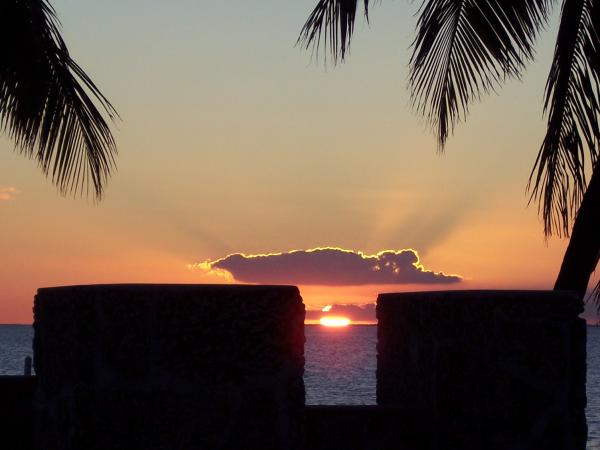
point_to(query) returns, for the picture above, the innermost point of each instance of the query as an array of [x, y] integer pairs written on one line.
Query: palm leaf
[[331, 22], [573, 108], [464, 48], [595, 296], [48, 105]]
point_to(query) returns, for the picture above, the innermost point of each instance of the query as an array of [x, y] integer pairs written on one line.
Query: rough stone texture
[[168, 367], [363, 428], [492, 369], [16, 422]]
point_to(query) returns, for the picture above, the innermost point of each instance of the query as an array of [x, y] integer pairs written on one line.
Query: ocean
[[340, 366]]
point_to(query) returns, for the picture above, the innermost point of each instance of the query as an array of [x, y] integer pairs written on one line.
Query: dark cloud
[[330, 266], [356, 313]]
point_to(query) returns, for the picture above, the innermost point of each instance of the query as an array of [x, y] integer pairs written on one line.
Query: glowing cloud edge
[[207, 267]]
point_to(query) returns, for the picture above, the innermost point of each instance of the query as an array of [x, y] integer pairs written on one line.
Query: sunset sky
[[234, 142]]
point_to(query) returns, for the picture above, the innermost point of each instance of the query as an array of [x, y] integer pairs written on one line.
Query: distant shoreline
[[306, 324], [316, 324], [589, 325]]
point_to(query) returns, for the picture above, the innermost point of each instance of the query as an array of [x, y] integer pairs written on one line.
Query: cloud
[[328, 266], [356, 313], [7, 193]]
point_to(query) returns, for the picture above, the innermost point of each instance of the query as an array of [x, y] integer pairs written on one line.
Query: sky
[[239, 152]]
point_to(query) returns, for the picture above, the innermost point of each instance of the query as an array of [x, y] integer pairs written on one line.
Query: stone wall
[[490, 369], [168, 367], [16, 418], [363, 428], [220, 367], [321, 427]]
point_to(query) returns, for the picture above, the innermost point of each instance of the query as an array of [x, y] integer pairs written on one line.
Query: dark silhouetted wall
[[16, 418], [168, 367], [493, 370]]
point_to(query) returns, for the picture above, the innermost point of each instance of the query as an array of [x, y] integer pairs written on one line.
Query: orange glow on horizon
[[332, 321]]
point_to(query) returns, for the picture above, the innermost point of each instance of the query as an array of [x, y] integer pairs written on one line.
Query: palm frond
[[331, 22], [573, 107], [595, 296], [465, 48], [48, 105]]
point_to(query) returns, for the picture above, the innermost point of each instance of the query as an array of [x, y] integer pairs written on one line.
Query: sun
[[333, 321]]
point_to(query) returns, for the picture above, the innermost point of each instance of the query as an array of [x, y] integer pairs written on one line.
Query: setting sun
[[329, 321]]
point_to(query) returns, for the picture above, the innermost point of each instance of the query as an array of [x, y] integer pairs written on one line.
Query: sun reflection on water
[[333, 321]]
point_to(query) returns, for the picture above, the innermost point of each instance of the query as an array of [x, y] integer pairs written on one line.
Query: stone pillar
[[493, 370], [16, 422], [168, 367]]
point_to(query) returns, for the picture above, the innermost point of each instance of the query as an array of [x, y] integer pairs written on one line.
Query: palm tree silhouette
[[466, 48], [48, 103]]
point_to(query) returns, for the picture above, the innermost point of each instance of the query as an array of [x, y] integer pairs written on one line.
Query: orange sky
[[232, 141]]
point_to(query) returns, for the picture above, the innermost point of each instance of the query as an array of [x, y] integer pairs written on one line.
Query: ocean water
[[340, 366], [15, 346]]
